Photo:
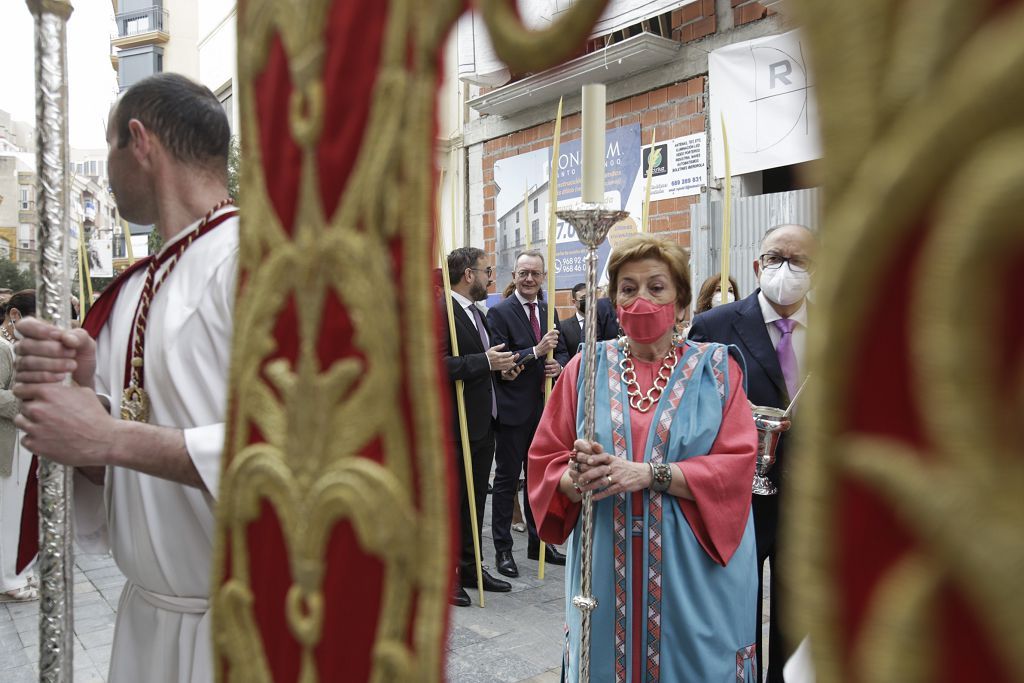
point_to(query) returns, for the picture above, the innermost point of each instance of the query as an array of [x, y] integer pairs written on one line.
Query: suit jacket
[[607, 327], [472, 368], [741, 323], [518, 399]]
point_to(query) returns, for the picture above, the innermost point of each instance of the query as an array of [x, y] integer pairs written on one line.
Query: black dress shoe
[[490, 583], [460, 598], [505, 564], [551, 556]]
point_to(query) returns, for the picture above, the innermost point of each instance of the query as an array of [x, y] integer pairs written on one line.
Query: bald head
[[790, 231]]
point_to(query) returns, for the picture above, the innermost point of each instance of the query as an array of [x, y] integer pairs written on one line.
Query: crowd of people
[[672, 472]]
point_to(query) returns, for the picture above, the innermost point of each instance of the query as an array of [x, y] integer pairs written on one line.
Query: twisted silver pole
[[53, 305], [592, 226]]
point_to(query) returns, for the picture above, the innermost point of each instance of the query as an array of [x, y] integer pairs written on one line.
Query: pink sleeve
[[550, 451], [720, 481]]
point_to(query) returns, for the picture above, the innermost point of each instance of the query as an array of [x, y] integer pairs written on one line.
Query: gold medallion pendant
[[135, 404]]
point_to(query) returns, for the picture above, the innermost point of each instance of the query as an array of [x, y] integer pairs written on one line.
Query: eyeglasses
[[489, 270], [533, 274], [798, 264]]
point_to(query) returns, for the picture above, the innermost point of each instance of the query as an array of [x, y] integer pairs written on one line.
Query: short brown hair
[[649, 247], [184, 115], [707, 292]]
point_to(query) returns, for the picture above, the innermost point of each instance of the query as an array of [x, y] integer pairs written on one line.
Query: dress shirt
[[526, 308], [467, 307], [579, 319], [770, 315]]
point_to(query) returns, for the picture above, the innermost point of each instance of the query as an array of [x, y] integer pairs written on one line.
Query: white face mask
[[716, 298], [782, 286]]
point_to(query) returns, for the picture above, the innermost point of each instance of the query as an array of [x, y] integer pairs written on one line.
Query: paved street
[[518, 636], [97, 588]]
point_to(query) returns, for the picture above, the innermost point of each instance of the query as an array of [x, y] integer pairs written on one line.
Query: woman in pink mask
[[671, 469]]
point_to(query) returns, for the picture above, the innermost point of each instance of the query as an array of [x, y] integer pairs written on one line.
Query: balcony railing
[[141, 21]]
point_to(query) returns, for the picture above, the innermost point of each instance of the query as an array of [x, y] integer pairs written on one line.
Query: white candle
[[593, 143]]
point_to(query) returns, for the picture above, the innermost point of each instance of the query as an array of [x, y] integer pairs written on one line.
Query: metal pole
[[54, 306], [592, 226]]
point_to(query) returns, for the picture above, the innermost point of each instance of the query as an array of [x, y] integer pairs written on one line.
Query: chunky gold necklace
[[637, 399]]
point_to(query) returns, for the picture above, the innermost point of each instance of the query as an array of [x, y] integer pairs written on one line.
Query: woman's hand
[[591, 469]]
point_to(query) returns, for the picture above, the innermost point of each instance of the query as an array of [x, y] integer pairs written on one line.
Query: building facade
[[654, 61]]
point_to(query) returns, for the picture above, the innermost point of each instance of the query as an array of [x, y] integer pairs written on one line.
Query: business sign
[[680, 167], [764, 90], [521, 204], [100, 253]]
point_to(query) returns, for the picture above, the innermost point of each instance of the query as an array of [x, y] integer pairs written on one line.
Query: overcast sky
[[92, 82]]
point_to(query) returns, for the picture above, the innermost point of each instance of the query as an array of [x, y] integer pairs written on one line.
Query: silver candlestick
[[592, 223], [53, 306]]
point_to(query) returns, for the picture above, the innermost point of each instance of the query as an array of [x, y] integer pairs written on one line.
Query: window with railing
[[141, 21]]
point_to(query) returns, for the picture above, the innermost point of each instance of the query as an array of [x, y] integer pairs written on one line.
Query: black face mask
[[581, 305]]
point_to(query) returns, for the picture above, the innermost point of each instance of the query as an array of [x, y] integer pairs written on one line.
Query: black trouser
[[510, 458], [482, 456], [766, 522]]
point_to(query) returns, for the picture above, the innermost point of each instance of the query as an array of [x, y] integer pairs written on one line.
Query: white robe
[[161, 533]]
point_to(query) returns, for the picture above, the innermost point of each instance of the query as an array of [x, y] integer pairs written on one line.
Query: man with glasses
[[770, 329], [478, 358], [520, 322]]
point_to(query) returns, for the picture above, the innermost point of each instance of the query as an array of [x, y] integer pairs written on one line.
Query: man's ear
[[757, 268], [140, 141]]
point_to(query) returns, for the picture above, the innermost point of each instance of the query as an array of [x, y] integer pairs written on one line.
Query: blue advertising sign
[[521, 204]]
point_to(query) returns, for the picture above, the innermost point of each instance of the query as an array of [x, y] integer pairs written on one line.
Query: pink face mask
[[646, 322]]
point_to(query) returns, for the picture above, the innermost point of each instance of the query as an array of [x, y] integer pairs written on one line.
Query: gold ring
[[609, 478]]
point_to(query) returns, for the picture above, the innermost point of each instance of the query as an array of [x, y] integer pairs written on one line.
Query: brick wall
[[746, 11], [669, 112], [694, 21]]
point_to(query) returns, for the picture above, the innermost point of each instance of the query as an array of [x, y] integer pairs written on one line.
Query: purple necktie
[[487, 344], [534, 322], [787, 357]]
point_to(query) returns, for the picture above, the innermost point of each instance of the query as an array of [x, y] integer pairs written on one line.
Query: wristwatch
[[661, 476]]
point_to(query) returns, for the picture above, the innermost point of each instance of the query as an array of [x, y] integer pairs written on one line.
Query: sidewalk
[[517, 638], [98, 586]]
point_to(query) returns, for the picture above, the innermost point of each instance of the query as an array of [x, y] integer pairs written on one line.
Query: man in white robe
[[146, 490]]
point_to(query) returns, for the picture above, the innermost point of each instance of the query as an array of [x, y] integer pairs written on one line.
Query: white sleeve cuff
[[205, 445], [106, 401], [90, 511]]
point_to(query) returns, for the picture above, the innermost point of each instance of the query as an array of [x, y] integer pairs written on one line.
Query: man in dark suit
[[520, 322], [477, 361], [769, 327], [572, 328]]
